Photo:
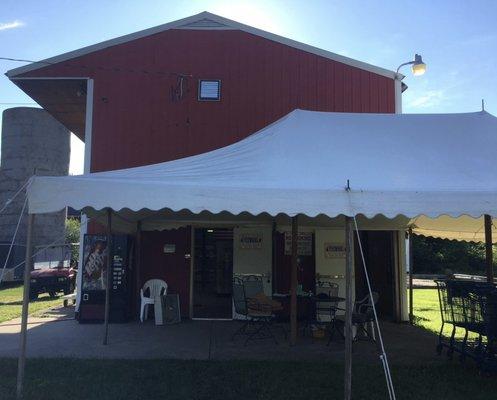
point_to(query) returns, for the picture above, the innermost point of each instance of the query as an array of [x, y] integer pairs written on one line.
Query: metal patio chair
[[253, 285], [258, 315], [363, 317]]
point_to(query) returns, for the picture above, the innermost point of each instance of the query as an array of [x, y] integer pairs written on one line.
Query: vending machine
[[95, 253]]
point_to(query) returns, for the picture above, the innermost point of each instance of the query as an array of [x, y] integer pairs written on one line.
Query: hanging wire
[[17, 104], [27, 61], [383, 355], [13, 239], [62, 241], [9, 201], [99, 67]]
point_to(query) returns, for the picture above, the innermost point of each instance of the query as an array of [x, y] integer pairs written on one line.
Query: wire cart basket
[[471, 306]]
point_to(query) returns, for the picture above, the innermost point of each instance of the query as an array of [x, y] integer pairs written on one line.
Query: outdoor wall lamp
[[418, 66]]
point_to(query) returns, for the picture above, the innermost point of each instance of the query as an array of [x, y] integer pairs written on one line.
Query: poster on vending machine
[[94, 262]]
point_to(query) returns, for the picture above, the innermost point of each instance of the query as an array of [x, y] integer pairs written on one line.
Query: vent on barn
[[209, 90]]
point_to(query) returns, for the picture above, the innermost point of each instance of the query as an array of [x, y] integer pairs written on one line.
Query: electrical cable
[[13, 239]]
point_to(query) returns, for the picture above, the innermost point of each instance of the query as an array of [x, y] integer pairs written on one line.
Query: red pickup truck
[[52, 280]]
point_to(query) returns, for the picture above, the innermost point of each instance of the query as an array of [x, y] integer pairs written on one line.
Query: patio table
[[330, 307]]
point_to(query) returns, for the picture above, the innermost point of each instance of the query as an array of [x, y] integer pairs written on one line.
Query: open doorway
[[213, 273], [378, 249]]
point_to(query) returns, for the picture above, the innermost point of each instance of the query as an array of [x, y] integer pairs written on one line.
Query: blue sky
[[457, 39]]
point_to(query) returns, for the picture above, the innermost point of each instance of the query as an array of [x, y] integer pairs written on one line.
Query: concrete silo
[[32, 142]]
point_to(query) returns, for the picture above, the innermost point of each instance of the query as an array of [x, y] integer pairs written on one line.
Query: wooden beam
[[28, 266], [108, 275], [293, 286], [411, 263], [489, 248], [349, 304]]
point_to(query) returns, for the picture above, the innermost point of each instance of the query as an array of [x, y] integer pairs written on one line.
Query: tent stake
[[293, 300], [348, 308], [108, 275], [25, 305], [489, 248]]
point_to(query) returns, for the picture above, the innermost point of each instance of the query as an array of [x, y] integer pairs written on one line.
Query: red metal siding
[[172, 268], [136, 123]]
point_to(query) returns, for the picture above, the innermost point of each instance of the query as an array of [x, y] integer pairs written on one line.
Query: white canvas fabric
[[397, 164]]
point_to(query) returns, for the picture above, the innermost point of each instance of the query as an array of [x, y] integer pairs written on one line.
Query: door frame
[[192, 268]]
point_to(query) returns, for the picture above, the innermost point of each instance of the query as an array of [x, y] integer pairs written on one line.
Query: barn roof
[[204, 21]]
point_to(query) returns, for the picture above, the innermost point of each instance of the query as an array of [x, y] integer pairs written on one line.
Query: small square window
[[209, 89]]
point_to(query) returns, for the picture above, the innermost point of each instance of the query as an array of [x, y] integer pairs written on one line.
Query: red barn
[[191, 86]]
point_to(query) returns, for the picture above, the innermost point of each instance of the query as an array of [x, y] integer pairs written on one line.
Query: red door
[[166, 255]]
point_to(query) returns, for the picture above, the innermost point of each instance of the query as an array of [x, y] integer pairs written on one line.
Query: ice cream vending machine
[[94, 278]]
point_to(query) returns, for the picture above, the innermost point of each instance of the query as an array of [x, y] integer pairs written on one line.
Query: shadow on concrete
[[57, 334]]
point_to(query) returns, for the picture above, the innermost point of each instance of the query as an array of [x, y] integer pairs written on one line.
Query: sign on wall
[[169, 248], [251, 240], [304, 244], [334, 250]]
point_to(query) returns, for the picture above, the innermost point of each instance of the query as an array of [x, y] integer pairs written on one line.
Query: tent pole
[[411, 293], [138, 256], [293, 290], [25, 305], [108, 275], [348, 307], [489, 248]]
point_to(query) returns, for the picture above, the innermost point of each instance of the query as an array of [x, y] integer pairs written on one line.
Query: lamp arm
[[402, 65]]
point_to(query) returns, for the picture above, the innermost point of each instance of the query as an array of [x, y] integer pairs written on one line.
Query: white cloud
[[11, 25], [430, 98]]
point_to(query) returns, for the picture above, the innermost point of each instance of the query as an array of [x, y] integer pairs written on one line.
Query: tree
[[436, 256], [72, 237]]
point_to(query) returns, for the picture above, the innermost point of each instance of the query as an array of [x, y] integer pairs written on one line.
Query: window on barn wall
[[209, 89]]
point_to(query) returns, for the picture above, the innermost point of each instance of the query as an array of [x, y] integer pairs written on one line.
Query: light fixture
[[418, 66]]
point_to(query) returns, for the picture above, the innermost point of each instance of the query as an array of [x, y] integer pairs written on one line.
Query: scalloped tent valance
[[410, 165]]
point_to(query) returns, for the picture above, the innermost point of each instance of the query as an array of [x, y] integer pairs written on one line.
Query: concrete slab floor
[[57, 334]]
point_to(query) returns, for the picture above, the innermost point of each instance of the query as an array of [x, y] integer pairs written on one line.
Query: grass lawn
[[427, 313], [427, 309], [64, 379], [11, 303], [92, 379]]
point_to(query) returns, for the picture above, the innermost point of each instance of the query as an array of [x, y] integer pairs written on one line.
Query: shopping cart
[[461, 303], [486, 354], [447, 318]]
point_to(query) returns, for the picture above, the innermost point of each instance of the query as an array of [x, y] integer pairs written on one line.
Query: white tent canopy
[[428, 165]]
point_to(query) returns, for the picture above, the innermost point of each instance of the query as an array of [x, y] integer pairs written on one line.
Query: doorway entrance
[[378, 249], [213, 273]]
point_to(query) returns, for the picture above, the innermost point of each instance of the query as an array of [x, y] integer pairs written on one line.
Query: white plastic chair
[[156, 287]]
